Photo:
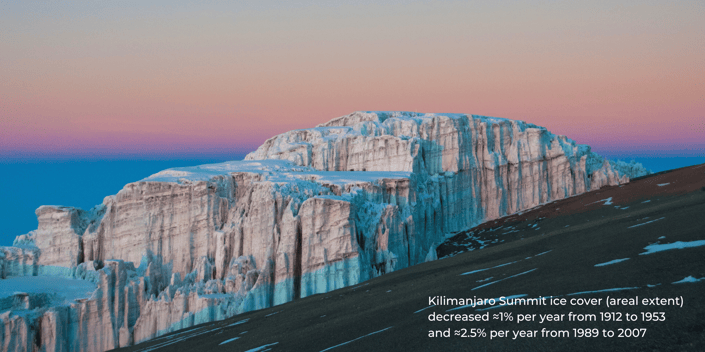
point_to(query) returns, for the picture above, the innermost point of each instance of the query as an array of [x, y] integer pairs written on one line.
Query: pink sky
[[107, 79]]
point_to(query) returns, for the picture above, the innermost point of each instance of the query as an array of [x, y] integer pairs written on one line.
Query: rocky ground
[[566, 249]]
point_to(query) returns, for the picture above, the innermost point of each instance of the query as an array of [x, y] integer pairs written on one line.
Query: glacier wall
[[308, 212]]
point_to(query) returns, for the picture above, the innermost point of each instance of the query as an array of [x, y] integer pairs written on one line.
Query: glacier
[[309, 211]]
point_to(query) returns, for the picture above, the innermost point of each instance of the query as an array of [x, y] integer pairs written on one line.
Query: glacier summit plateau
[[309, 211]]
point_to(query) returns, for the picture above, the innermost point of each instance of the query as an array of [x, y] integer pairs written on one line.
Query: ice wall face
[[498, 165], [310, 211]]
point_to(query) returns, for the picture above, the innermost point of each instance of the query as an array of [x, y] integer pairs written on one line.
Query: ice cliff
[[632, 169], [308, 212]]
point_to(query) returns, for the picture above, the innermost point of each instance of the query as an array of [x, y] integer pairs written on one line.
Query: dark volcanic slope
[[548, 251]]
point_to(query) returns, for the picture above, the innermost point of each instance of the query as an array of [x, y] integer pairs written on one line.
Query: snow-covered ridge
[[280, 171], [308, 212], [400, 141]]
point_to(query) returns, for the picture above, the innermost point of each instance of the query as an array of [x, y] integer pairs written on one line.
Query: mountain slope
[[559, 249]]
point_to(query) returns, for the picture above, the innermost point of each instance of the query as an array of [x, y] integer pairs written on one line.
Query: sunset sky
[[110, 78], [96, 94]]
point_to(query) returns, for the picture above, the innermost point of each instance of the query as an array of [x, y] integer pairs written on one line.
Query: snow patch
[[239, 322], [612, 262], [607, 201], [226, 341], [422, 309], [654, 248], [689, 279], [648, 222]]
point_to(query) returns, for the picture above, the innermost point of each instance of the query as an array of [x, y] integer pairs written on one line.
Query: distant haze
[[95, 94], [104, 78]]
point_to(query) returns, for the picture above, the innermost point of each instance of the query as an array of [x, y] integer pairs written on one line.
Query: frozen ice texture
[[308, 212]]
